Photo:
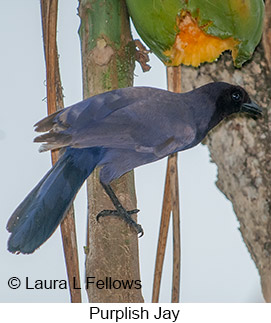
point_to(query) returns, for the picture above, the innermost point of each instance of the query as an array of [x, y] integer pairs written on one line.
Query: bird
[[117, 130]]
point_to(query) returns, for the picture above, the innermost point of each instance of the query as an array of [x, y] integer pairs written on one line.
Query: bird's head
[[234, 99]]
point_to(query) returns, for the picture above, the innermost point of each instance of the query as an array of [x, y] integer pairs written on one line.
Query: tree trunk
[[108, 63], [241, 149]]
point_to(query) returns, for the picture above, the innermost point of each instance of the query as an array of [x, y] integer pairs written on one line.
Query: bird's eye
[[236, 96]]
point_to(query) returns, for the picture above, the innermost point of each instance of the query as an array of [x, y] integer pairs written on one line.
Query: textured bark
[[108, 63], [241, 149]]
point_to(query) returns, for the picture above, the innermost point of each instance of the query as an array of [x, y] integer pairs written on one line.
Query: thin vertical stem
[[174, 192], [170, 203], [55, 102], [174, 85], [163, 234]]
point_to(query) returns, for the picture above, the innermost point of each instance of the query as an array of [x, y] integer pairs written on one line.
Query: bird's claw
[[114, 213], [139, 230], [106, 213], [126, 216]]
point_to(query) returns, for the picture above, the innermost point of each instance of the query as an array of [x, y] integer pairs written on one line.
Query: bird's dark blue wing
[[143, 119]]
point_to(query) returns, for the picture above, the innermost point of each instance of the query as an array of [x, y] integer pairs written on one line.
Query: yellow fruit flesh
[[193, 46]]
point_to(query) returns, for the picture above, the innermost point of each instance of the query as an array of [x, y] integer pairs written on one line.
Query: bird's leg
[[120, 210]]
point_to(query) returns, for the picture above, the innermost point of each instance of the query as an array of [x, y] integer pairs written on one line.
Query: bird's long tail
[[37, 217]]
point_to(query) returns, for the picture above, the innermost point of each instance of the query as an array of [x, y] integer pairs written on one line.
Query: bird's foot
[[126, 216]]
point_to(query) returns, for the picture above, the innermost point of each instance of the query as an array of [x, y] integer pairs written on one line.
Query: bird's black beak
[[251, 108]]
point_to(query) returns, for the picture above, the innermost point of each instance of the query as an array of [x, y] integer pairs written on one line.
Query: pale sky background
[[216, 266]]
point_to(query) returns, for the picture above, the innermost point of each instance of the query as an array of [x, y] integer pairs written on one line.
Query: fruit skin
[[193, 46], [156, 23]]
